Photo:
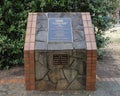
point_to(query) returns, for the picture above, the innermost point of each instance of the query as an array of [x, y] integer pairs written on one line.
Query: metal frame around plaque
[[59, 25]]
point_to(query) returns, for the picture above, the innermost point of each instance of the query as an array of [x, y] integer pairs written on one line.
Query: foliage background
[[13, 18]]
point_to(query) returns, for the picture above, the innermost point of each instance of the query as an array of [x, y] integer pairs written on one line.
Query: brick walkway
[[15, 87], [12, 80], [108, 82]]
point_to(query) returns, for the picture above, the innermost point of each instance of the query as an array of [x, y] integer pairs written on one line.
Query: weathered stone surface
[[78, 45], [77, 25], [42, 25], [74, 64], [55, 75], [58, 46], [41, 36], [72, 59], [40, 71], [80, 68], [75, 85], [51, 86], [78, 36], [81, 79], [70, 74], [59, 77], [40, 45], [77, 29], [41, 85], [36, 56], [42, 16], [55, 15], [62, 84], [45, 85], [81, 54], [42, 58], [46, 77]]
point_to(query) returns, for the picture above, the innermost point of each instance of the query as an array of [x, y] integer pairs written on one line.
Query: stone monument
[[60, 52]]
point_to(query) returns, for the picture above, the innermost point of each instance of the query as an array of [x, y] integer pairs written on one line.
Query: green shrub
[[13, 17], [12, 29]]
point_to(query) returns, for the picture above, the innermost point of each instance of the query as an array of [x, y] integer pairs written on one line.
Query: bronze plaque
[[60, 59]]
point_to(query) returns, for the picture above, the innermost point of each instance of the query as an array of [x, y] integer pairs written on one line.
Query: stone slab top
[[70, 30]]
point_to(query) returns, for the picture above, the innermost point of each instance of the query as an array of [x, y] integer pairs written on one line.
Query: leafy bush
[[13, 17], [12, 29]]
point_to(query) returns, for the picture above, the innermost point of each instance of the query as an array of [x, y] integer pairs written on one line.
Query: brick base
[[29, 61], [91, 52]]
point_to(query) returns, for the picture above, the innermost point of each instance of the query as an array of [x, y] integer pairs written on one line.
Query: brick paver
[[104, 86], [12, 80]]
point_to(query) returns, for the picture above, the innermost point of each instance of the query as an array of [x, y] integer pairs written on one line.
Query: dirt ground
[[11, 73], [109, 66]]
